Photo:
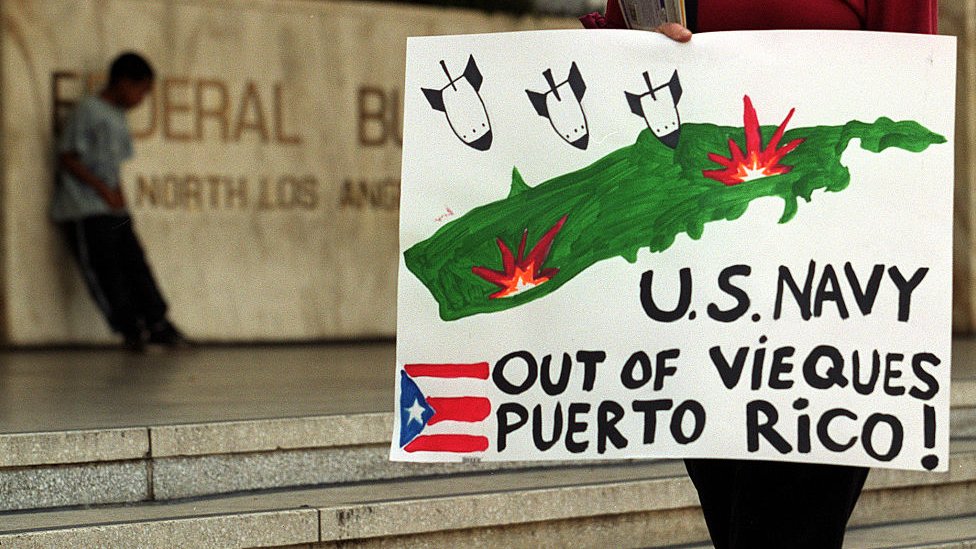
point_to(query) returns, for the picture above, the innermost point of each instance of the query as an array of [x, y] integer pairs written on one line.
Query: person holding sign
[[916, 16], [756, 504]]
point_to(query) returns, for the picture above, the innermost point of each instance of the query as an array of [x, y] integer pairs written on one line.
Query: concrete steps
[[648, 504], [324, 481], [129, 465], [942, 533], [946, 533], [169, 462]]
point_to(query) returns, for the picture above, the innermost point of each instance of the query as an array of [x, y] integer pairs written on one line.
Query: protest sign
[[617, 246]]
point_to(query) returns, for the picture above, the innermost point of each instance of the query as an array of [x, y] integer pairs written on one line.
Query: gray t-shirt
[[98, 132]]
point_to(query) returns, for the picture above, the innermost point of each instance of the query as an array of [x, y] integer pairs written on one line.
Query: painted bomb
[[460, 101], [561, 104], [658, 106]]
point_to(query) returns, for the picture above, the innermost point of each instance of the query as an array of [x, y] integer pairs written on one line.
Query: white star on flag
[[416, 412]]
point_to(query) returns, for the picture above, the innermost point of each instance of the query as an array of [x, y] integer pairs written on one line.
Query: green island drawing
[[526, 246]]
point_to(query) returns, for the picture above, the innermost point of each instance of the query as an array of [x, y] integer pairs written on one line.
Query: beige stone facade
[[266, 180], [958, 17]]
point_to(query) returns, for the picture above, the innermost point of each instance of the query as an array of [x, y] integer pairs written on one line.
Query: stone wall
[[266, 180], [958, 17]]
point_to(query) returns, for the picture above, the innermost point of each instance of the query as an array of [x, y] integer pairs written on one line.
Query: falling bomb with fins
[[659, 109], [562, 105], [461, 103]]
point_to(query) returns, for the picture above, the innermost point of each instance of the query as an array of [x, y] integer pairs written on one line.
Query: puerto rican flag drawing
[[436, 419]]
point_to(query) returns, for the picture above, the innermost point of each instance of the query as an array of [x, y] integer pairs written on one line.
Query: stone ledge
[[552, 493], [61, 447], [263, 435], [940, 533], [906, 494], [886, 505], [962, 468], [650, 529], [74, 484], [277, 467], [195, 476], [945, 532], [374, 513], [258, 529], [505, 508], [270, 434], [963, 392]]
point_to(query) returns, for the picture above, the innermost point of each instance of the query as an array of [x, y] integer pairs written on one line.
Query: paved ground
[[94, 388], [97, 388]]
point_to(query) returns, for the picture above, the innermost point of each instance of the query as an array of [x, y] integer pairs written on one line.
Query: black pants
[[760, 504], [115, 270]]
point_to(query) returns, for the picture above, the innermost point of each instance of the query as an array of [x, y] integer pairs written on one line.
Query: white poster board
[[618, 246]]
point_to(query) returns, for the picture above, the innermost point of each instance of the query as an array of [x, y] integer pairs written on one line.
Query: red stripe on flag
[[459, 444], [469, 409], [478, 371]]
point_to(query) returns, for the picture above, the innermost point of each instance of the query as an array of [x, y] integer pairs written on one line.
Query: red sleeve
[[918, 16], [613, 19]]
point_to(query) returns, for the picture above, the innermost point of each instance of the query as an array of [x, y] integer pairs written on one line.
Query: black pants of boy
[[116, 273], [762, 504]]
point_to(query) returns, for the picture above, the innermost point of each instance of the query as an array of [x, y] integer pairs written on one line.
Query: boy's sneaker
[[166, 335], [134, 343]]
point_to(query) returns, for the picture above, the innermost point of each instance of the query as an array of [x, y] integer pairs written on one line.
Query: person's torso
[[98, 133], [720, 15], [107, 132]]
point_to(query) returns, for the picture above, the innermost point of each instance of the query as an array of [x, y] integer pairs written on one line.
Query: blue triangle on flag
[[414, 410]]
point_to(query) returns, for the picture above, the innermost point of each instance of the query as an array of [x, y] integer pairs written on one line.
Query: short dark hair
[[131, 66]]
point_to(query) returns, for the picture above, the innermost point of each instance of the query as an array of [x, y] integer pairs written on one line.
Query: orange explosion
[[521, 273], [757, 161]]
